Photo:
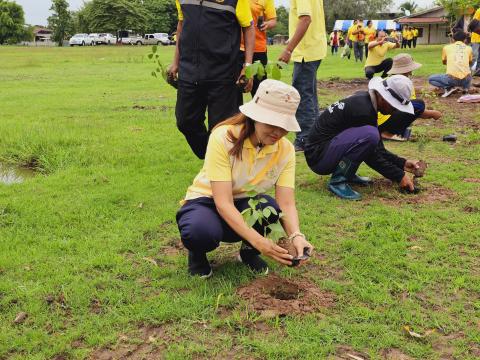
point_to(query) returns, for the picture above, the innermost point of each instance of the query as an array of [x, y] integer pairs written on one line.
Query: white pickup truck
[[152, 39]]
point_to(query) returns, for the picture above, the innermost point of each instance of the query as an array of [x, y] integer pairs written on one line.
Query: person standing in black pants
[[206, 64]]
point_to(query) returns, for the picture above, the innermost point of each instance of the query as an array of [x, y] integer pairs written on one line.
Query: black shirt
[[354, 111]]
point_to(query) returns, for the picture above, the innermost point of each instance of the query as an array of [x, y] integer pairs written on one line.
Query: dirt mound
[[273, 295], [389, 193], [351, 85]]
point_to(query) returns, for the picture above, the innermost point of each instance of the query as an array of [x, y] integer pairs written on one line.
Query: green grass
[[112, 168]]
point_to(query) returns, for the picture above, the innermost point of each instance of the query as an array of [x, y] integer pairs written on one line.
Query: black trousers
[[384, 66], [366, 50], [193, 100], [400, 121], [414, 42], [262, 56], [404, 43]]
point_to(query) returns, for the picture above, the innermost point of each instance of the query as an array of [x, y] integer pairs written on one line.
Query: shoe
[[338, 183], [299, 148], [464, 92], [299, 145], [396, 138], [407, 133], [198, 265], [254, 262], [360, 180], [448, 92]]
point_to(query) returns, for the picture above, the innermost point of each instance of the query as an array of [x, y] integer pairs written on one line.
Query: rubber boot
[[338, 183], [360, 180]]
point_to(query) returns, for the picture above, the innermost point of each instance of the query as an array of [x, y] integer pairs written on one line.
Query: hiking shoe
[[448, 92], [299, 148], [198, 265], [254, 262]]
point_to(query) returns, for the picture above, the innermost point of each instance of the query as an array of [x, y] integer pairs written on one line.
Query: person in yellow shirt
[[409, 37], [395, 35], [475, 42], [415, 36], [248, 150], [307, 48], [207, 74], [264, 18], [397, 125], [350, 39], [458, 58], [359, 40], [370, 35], [376, 61]]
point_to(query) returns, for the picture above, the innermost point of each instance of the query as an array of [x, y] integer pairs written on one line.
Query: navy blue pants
[[355, 144], [202, 228]]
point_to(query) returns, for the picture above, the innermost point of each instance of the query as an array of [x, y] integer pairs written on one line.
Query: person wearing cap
[[206, 64], [248, 150], [307, 48], [397, 126], [346, 134], [458, 57], [376, 61]]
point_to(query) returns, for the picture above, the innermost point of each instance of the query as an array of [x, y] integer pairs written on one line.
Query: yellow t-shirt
[[476, 37], [313, 45], [265, 8], [377, 54], [394, 34], [369, 33], [242, 11], [350, 36], [458, 57], [409, 35], [262, 168], [383, 118], [415, 32]]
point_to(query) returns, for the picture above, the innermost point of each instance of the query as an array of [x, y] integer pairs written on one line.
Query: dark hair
[[459, 36], [248, 129], [369, 22]]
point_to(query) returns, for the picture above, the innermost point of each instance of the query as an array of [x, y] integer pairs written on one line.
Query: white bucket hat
[[402, 64], [275, 103], [396, 90]]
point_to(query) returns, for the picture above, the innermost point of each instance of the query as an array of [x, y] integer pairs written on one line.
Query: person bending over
[[376, 61], [397, 126], [246, 150], [346, 134]]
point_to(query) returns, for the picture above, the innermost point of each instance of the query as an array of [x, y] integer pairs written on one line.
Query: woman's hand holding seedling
[[268, 248], [411, 166], [302, 246], [245, 82], [407, 183]]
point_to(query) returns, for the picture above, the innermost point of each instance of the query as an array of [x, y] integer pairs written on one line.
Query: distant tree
[[457, 7], [12, 23], [352, 9], [409, 6], [282, 22], [113, 15], [162, 16], [60, 21], [82, 19]]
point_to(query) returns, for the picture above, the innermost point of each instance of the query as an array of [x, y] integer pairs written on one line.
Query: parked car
[[152, 39], [80, 40], [106, 39], [94, 38]]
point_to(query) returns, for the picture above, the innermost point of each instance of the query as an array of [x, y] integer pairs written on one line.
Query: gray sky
[[37, 11]]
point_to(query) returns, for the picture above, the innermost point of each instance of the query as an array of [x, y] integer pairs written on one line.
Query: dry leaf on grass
[[150, 260], [20, 318], [416, 335]]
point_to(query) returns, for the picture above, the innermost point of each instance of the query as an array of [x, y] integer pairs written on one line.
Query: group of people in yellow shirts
[[409, 37]]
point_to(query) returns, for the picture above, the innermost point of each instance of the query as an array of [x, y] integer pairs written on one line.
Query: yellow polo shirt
[[394, 34], [262, 168], [377, 54], [458, 57], [409, 35], [476, 37], [313, 45], [369, 33], [350, 36], [242, 11], [415, 32]]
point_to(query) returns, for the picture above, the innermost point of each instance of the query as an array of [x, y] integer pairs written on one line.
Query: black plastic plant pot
[[450, 138], [405, 190], [296, 260]]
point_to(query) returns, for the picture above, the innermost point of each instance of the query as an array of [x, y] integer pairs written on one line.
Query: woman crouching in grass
[[246, 150]]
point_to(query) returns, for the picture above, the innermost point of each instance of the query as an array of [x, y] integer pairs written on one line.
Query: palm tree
[[410, 6]]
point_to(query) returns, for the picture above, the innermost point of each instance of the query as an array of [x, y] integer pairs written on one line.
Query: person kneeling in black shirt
[[346, 134]]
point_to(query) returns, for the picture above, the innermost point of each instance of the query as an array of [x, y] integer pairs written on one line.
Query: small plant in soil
[[161, 69], [273, 230]]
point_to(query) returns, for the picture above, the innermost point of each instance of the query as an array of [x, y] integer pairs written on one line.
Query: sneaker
[[198, 265], [253, 261], [448, 92], [465, 92], [396, 138], [299, 148]]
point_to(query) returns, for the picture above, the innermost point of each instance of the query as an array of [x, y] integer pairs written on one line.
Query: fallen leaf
[[150, 260], [355, 357], [20, 318], [415, 247], [416, 335], [140, 206]]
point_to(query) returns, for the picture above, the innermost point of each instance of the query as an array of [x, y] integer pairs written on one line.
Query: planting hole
[[285, 291]]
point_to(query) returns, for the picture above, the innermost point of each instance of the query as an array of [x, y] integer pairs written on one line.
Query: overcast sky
[[37, 11]]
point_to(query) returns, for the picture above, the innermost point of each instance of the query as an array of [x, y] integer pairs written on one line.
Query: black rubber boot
[[338, 183]]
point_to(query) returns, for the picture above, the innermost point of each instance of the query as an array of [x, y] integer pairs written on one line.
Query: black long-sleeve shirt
[[354, 111]]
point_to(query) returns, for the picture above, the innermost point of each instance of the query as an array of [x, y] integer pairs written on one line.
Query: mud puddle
[[14, 175]]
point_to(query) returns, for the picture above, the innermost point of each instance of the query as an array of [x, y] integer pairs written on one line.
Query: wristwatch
[[246, 64]]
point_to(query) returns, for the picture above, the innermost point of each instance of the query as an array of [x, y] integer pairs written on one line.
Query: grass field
[[89, 246]]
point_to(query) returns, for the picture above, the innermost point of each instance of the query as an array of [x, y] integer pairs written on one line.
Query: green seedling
[[161, 69], [271, 70]]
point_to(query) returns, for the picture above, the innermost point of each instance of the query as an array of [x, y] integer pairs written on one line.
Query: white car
[[80, 40], [106, 39], [94, 38], [152, 39]]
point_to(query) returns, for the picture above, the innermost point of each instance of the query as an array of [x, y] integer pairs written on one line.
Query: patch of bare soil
[[389, 193], [173, 247], [444, 345], [394, 354], [273, 295], [344, 352], [472, 180], [342, 85]]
